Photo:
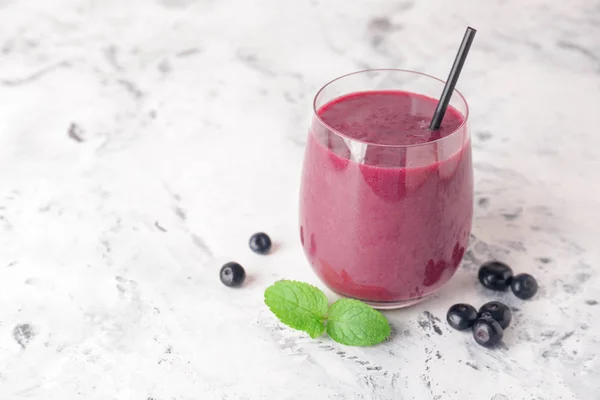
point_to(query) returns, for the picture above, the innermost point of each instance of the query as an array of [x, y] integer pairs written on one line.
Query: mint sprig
[[304, 307]]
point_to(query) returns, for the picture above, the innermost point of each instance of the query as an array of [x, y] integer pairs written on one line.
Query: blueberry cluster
[[233, 274], [498, 276], [488, 324]]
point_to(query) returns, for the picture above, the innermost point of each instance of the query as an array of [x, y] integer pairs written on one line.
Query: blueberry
[[260, 243], [487, 332], [524, 286], [232, 274], [495, 275], [498, 311], [461, 316]]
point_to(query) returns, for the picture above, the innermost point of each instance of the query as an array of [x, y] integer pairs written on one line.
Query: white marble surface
[[142, 142]]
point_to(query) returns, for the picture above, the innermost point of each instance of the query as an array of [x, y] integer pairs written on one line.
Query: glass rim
[[330, 128]]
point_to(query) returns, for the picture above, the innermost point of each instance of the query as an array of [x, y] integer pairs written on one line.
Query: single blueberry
[[232, 274], [498, 311], [524, 286], [487, 331], [495, 275], [260, 243], [461, 316]]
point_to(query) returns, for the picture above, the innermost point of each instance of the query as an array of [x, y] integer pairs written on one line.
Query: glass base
[[393, 305]]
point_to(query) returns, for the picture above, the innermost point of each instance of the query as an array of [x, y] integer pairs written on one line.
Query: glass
[[386, 223]]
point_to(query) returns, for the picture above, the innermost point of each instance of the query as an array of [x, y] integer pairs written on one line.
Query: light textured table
[[143, 142]]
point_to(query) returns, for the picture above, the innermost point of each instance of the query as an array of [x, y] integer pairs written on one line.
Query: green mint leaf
[[354, 323], [298, 305]]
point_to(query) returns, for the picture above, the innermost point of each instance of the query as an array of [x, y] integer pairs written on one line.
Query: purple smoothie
[[386, 217]]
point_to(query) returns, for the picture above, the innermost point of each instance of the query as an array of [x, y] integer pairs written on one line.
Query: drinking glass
[[386, 224]]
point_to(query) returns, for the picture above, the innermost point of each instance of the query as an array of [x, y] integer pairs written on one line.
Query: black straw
[[459, 61]]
